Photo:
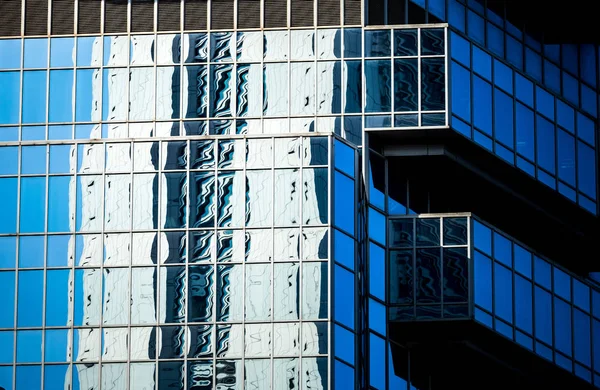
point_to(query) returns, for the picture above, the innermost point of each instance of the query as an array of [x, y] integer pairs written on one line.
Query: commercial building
[[302, 194]]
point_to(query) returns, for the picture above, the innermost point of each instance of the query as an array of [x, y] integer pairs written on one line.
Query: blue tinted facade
[[265, 194]]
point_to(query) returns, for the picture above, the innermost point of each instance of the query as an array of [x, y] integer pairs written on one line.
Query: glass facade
[[193, 195]]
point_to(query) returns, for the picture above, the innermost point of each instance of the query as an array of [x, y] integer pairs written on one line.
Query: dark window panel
[[169, 15], [142, 19], [248, 14], [36, 17], [302, 13], [62, 16], [275, 13], [396, 11], [11, 17], [88, 17], [416, 14], [221, 15], [376, 12], [352, 10], [115, 16], [328, 13], [195, 15]]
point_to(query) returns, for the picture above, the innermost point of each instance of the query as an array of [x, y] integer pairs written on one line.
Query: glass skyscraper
[[296, 194]]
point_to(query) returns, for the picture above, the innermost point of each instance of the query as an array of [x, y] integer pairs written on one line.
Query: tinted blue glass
[[57, 297], [31, 251], [377, 43], [562, 284], [482, 63], [8, 133], [524, 89], [570, 58], [587, 63], [29, 346], [32, 204], [514, 52], [9, 98], [376, 226], [406, 84], [503, 76], [61, 52], [495, 39], [483, 317], [33, 159], [459, 49], [502, 249], [546, 179], [567, 191], [9, 155], [545, 144], [461, 127], [30, 298], [552, 52], [29, 377], [456, 15], [596, 344], [525, 131], [353, 87], [56, 342], [6, 376], [7, 298], [378, 85], [35, 53], [433, 94], [544, 103], [503, 328], [33, 133], [571, 88], [533, 64], [10, 53], [562, 326], [8, 205], [59, 203], [581, 295], [7, 343], [34, 97], [352, 42], [344, 249], [377, 320], [344, 297], [55, 377], [543, 351], [524, 340], [84, 98], [7, 252], [582, 332], [483, 237], [344, 376], [542, 273], [344, 157], [585, 129], [344, 344], [60, 132], [551, 76], [503, 118], [482, 281], [377, 271], [475, 27], [565, 115], [482, 105], [586, 170], [61, 96], [583, 373], [527, 167], [58, 251], [60, 158], [587, 204], [523, 304], [566, 157], [522, 260], [85, 48], [543, 315], [461, 92], [503, 292], [344, 203], [377, 362]]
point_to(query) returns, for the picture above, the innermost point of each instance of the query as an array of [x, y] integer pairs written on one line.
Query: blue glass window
[[9, 98], [482, 63], [582, 332], [552, 76], [7, 298], [543, 316], [503, 118], [581, 295], [56, 345], [344, 297], [525, 132], [483, 237], [7, 342], [344, 157], [85, 109], [34, 97], [376, 226], [544, 103], [377, 281], [589, 101], [566, 157], [502, 249], [344, 203], [596, 345], [533, 64], [456, 15], [61, 96], [461, 92], [585, 129], [33, 199], [460, 49], [8, 205], [352, 42], [503, 292], [587, 61], [503, 76], [406, 85], [377, 320], [35, 53], [523, 304], [438, 8], [482, 105], [344, 249], [542, 272], [8, 252], [33, 159], [406, 42], [344, 376], [377, 43], [58, 251], [545, 144], [31, 251], [30, 298], [565, 116], [514, 51], [10, 53], [344, 344], [377, 362], [475, 27], [562, 326], [61, 52], [571, 88], [586, 170], [495, 38], [9, 155], [482, 281], [524, 89], [570, 58], [378, 86]]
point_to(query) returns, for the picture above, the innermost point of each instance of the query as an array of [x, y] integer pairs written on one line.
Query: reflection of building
[[277, 195]]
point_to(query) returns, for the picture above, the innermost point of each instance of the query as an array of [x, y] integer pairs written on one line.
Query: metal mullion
[[272, 281], [103, 243], [419, 79], [331, 261], [446, 73], [441, 252], [159, 173], [185, 326], [130, 266]]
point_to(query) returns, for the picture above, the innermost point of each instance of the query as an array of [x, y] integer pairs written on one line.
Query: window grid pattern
[[221, 252], [405, 73], [523, 124], [535, 303], [568, 70]]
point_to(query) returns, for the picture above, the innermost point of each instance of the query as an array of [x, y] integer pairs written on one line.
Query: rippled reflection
[[221, 90], [406, 85], [275, 100], [201, 294], [257, 374], [229, 375], [195, 82], [428, 278], [286, 339], [249, 86], [200, 375], [230, 340], [230, 199], [286, 374], [259, 245], [287, 200], [249, 46], [286, 291], [114, 376], [456, 287], [230, 293], [258, 292], [259, 194], [172, 295], [257, 340]]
